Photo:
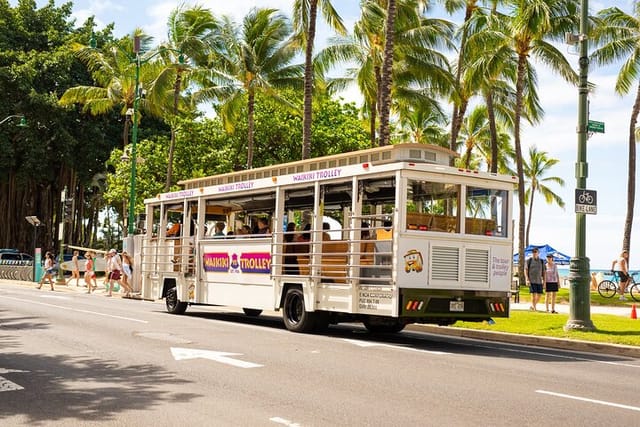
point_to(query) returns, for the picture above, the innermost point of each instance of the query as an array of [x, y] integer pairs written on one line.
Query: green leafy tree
[[37, 162]]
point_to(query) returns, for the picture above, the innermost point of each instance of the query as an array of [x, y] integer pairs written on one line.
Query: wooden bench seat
[[335, 259]]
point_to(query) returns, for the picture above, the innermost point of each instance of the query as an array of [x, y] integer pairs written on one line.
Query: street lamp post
[[579, 301], [35, 221]]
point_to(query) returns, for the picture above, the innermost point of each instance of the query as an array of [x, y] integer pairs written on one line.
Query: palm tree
[[528, 31], [255, 57], [464, 90], [418, 64], [192, 33], [535, 170], [304, 24], [386, 78], [475, 130], [619, 35], [114, 74]]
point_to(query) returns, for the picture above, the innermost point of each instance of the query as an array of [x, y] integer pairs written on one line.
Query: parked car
[[13, 256]]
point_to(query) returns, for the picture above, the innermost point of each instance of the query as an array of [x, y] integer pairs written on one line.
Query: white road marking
[[283, 421], [216, 356], [5, 384], [366, 344], [585, 399], [560, 356], [130, 319]]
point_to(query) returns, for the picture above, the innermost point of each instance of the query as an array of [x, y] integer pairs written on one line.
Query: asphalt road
[[72, 359]]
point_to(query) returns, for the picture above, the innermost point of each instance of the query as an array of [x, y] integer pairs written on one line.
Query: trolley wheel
[[252, 312], [296, 318], [607, 288], [174, 305], [383, 325], [634, 290]]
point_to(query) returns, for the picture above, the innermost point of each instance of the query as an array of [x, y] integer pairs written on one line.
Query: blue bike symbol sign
[[586, 201]]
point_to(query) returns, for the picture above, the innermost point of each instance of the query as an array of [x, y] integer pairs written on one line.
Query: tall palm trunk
[[308, 81], [387, 67], [172, 144], [533, 192], [520, 170], [460, 106], [493, 131], [631, 180], [250, 124]]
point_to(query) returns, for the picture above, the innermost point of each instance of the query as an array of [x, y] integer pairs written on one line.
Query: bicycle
[[608, 288]]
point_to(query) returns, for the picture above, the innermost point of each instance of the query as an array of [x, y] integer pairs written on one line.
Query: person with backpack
[[534, 273]]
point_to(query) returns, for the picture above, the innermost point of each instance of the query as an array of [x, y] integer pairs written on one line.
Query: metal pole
[[134, 151], [60, 279], [579, 300]]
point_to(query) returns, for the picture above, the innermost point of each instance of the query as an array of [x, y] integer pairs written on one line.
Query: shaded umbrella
[[558, 257]]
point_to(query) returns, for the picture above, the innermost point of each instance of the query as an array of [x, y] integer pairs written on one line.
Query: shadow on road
[[415, 339], [82, 390]]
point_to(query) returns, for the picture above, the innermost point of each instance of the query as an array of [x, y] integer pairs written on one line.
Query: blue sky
[[606, 153]]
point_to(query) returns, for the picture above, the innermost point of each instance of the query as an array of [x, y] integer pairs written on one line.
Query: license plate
[[456, 305]]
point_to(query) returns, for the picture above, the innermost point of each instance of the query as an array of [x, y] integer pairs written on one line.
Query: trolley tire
[[252, 312], [174, 305], [607, 289], [296, 317], [634, 291], [383, 326]]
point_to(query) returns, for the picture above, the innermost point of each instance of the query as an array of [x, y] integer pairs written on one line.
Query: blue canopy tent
[[558, 257]]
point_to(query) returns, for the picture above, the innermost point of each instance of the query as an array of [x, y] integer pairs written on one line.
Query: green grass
[[563, 298], [609, 328]]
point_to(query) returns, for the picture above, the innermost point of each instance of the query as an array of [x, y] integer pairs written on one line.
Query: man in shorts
[[534, 272]]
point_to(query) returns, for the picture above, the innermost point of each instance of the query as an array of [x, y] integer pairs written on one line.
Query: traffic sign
[[586, 201], [594, 126]]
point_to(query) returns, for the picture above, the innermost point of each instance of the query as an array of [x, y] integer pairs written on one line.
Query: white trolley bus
[[386, 236]]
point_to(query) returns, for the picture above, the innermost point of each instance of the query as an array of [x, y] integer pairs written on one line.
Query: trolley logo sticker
[[255, 262], [250, 262], [413, 261], [216, 262]]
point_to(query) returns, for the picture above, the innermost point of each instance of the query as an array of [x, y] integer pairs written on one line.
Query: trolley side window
[[433, 206], [486, 211]]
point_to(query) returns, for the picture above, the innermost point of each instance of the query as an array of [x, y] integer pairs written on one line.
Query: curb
[[534, 340]]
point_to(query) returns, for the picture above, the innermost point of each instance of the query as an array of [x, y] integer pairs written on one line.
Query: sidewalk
[[564, 308]]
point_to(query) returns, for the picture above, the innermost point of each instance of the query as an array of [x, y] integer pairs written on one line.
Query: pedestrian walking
[[75, 269], [49, 270], [127, 269], [115, 272], [552, 279], [534, 272], [89, 272]]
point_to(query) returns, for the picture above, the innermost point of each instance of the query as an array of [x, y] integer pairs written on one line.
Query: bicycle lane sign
[[586, 201]]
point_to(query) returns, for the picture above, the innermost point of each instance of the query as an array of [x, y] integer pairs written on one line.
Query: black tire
[[296, 318], [607, 289], [174, 305], [252, 312], [381, 325], [634, 290]]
